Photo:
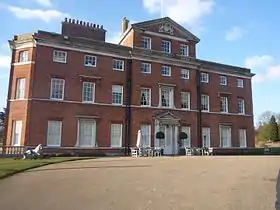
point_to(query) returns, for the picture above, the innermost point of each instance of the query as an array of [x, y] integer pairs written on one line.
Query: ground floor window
[[54, 133], [116, 135], [87, 133], [206, 142], [146, 135], [187, 130], [225, 136], [242, 138], [17, 130]]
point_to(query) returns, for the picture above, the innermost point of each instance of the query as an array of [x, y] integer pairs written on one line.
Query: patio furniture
[[157, 151], [134, 152], [189, 151]]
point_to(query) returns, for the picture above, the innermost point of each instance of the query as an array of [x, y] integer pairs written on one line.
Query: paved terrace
[[191, 183]]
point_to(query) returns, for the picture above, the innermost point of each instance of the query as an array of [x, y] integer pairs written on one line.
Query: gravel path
[[189, 183]]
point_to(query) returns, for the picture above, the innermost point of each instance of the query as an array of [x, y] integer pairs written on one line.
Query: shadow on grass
[[88, 167]]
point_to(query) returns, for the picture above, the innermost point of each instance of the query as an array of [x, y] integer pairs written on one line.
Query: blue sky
[[233, 32]]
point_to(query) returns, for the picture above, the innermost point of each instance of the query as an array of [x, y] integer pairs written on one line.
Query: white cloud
[[29, 14], [5, 61], [187, 12], [235, 33], [266, 68], [114, 38], [45, 3]]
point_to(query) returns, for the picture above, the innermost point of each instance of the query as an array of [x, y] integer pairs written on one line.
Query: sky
[[242, 33]]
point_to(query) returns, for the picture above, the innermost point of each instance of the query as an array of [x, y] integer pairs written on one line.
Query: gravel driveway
[[183, 183]]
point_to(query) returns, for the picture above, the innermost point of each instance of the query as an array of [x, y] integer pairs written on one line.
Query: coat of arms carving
[[166, 28]]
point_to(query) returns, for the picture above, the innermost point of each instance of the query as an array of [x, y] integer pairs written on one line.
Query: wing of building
[[73, 91]]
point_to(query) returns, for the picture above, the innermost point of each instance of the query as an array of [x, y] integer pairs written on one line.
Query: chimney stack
[[125, 23]]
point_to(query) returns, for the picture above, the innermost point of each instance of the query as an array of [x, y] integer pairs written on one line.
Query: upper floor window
[[166, 97], [20, 89], [223, 80], [240, 106], [166, 71], [204, 78], [146, 42], [185, 74], [205, 104], [145, 99], [185, 100], [184, 50], [166, 46], [118, 65], [117, 94], [146, 68], [23, 56], [240, 83], [59, 56], [88, 92], [224, 104], [90, 60], [57, 88]]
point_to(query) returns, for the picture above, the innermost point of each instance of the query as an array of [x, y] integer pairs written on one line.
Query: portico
[[169, 124]]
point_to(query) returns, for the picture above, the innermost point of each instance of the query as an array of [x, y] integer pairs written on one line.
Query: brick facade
[[36, 108]]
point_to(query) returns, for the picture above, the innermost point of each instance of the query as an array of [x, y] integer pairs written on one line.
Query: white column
[[156, 143], [176, 138]]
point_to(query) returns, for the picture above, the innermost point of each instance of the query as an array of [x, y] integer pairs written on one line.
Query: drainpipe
[[199, 115], [128, 115]]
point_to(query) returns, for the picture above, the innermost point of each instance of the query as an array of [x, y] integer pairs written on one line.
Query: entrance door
[[17, 129], [168, 148], [87, 130]]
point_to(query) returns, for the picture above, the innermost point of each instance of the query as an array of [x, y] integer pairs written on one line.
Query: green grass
[[9, 166]]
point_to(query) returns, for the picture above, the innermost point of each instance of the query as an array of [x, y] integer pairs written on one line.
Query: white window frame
[[227, 137], [116, 131], [240, 83], [90, 61], [92, 87], [184, 50], [118, 65], [20, 88], [146, 41], [146, 68], [49, 135], [148, 92], [146, 137], [204, 77], [92, 123], [17, 125], [23, 56], [203, 98], [57, 56], [185, 99], [166, 71], [241, 102], [206, 137], [185, 74], [171, 96], [242, 134], [186, 142], [115, 89], [63, 87], [223, 80], [166, 46], [224, 104]]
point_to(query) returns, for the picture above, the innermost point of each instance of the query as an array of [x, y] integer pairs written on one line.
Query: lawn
[[9, 166]]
